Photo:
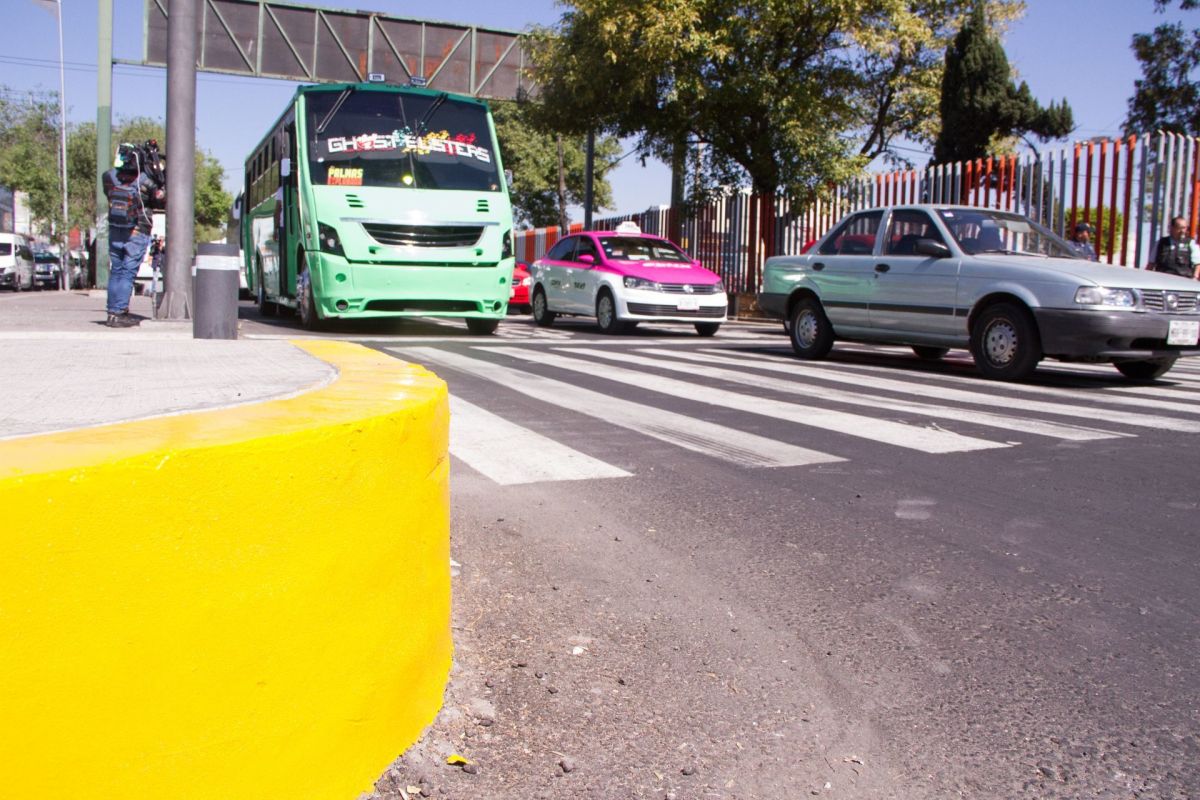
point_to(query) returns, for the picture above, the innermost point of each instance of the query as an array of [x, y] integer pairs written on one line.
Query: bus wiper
[[429, 112], [337, 105]]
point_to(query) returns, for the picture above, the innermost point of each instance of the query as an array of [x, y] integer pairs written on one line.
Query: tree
[[211, 201], [764, 86], [1168, 95], [531, 152], [980, 101], [29, 153], [899, 67]]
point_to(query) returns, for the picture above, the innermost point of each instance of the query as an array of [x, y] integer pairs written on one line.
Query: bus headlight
[[330, 243], [507, 251]]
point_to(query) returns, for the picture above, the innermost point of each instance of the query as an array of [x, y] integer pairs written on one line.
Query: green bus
[[373, 200]]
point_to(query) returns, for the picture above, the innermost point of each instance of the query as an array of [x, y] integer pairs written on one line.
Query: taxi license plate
[[1183, 332], [693, 304]]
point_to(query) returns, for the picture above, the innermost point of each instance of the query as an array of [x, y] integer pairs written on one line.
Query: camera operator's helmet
[[127, 158]]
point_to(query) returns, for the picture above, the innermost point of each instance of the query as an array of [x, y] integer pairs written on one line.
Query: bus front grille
[[422, 305], [424, 235]]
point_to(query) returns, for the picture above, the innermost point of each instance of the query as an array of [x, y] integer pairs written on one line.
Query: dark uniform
[[1174, 256]]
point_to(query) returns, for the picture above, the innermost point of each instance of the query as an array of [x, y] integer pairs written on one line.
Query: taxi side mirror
[[586, 258], [932, 247]]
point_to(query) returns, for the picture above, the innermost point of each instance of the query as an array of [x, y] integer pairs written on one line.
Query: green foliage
[[531, 152], [29, 147], [1100, 218], [764, 87], [980, 102], [899, 67], [29, 153], [1167, 97]]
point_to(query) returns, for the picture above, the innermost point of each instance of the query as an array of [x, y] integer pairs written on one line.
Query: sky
[[1073, 49]]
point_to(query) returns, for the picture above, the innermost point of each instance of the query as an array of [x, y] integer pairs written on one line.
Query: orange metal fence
[[1127, 189]]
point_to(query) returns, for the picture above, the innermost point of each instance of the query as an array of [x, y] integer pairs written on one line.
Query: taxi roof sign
[[629, 226]]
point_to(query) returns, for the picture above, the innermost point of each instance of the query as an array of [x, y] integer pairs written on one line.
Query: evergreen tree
[[980, 102]]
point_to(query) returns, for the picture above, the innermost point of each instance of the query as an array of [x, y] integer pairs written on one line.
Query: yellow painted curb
[[250, 602]]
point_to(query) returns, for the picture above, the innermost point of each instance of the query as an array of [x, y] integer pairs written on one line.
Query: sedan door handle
[[818, 266], [882, 267]]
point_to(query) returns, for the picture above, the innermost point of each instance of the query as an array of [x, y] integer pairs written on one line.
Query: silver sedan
[[1007, 288]]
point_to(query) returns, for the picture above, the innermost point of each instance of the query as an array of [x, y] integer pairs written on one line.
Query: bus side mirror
[[508, 177], [237, 208]]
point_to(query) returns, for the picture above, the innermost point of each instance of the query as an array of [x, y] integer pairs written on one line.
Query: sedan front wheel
[[811, 331], [1005, 343]]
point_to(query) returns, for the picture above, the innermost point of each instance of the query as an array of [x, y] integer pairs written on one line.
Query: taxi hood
[[664, 271]]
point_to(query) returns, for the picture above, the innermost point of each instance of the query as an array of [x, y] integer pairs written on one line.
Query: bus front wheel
[[482, 327], [308, 307]]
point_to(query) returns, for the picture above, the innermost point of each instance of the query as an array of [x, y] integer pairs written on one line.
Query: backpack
[[125, 205]]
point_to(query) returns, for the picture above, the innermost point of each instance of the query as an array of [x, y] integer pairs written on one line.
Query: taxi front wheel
[[542, 315], [606, 314]]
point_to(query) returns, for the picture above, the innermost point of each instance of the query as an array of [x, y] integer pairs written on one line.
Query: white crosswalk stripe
[[718, 441], [927, 440], [511, 454], [930, 385], [1071, 433], [883, 403]]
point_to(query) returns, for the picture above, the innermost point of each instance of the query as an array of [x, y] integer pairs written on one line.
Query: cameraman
[[129, 190]]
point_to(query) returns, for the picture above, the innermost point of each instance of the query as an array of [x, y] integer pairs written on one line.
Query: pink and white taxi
[[624, 277]]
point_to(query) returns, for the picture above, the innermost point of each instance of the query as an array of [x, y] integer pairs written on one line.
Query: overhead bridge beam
[[268, 39]]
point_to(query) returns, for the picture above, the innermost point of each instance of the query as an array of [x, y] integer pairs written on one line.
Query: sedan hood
[[1092, 272]]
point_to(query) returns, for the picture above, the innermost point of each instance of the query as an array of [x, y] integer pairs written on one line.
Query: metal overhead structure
[[269, 39]]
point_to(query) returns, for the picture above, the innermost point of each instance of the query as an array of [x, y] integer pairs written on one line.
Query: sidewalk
[[63, 369]]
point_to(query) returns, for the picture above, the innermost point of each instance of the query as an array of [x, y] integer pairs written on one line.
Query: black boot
[[123, 320]]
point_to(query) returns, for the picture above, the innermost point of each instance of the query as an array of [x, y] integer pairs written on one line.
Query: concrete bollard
[[215, 289]]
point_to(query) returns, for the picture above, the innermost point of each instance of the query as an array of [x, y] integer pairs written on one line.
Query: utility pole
[[588, 167], [182, 24], [104, 153]]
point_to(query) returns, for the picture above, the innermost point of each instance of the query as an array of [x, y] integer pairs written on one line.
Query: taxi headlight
[[1102, 296], [641, 283]]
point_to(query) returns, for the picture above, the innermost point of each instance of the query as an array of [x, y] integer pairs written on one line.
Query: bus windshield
[[399, 140]]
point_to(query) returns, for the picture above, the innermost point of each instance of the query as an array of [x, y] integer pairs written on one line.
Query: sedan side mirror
[[932, 247]]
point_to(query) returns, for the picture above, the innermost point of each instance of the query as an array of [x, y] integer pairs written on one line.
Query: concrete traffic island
[[243, 602]]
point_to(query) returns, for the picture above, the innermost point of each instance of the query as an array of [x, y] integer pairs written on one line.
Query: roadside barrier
[[239, 603]]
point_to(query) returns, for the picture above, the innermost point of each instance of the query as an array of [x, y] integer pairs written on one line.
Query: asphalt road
[[701, 568]]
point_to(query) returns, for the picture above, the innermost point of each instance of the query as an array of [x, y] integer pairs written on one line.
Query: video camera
[[145, 158]]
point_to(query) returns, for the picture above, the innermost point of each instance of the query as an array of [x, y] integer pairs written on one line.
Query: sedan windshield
[[636, 248], [399, 140], [986, 231]]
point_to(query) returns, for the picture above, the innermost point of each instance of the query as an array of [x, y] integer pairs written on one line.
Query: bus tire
[[482, 327], [265, 307], [309, 320]]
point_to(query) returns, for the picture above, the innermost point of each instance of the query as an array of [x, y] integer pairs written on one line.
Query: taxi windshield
[[985, 231], [636, 248]]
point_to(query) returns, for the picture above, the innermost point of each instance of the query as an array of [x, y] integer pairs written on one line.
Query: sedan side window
[[856, 236], [563, 250], [905, 228], [585, 248]]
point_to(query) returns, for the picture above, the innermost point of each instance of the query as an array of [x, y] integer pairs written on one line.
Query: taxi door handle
[[818, 266], [882, 267]]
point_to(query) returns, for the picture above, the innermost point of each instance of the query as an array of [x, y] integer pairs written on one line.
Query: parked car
[[624, 277], [518, 298], [16, 262], [46, 269], [1006, 288]]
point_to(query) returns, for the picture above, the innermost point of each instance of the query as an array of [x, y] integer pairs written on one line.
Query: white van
[[16, 262]]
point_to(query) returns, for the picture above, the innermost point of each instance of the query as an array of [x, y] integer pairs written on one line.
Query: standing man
[[1177, 254], [127, 187], [1081, 242]]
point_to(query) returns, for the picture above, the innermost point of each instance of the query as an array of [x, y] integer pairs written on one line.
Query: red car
[[518, 298]]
